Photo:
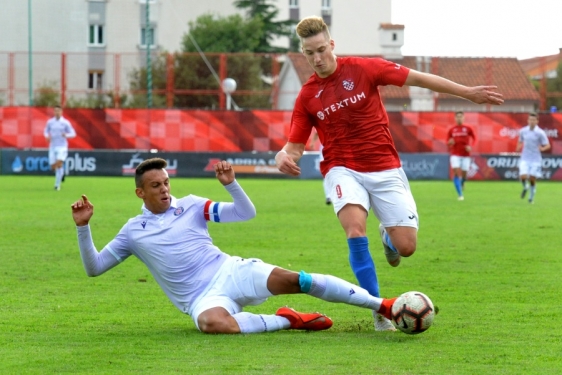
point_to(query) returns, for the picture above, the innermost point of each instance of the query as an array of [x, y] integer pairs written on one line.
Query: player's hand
[[82, 211], [286, 164], [468, 148], [224, 172], [484, 95]]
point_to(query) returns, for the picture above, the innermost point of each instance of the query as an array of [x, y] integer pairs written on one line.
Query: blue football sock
[[362, 264], [458, 186]]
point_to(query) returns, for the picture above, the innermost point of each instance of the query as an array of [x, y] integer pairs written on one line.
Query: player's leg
[[326, 192], [532, 188], [394, 206], [351, 207], [326, 287], [455, 162], [60, 155], [534, 173], [53, 163], [465, 166], [523, 176], [219, 309]]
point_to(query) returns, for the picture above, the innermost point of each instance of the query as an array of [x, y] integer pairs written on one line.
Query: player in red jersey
[[361, 165], [460, 139]]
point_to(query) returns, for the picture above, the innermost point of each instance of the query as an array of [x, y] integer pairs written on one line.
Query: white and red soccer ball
[[413, 312]]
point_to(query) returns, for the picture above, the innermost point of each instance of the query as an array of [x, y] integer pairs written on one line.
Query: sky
[[480, 28]]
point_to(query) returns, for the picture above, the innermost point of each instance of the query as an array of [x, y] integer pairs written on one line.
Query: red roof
[[391, 26], [538, 65], [506, 73]]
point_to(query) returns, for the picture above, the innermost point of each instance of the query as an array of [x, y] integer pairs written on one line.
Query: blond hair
[[311, 26]]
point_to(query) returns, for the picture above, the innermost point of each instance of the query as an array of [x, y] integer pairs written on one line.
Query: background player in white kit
[[171, 238], [57, 131], [533, 141]]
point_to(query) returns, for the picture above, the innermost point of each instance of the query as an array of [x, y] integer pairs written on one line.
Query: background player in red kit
[[460, 139], [361, 165]]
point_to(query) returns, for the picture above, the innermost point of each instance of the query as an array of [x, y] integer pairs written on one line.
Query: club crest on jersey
[[178, 211], [320, 115], [348, 85]]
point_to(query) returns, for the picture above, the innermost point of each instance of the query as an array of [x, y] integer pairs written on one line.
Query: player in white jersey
[[57, 131], [532, 141], [171, 238]]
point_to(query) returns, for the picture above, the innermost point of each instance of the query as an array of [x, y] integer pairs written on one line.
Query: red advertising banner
[[258, 130]]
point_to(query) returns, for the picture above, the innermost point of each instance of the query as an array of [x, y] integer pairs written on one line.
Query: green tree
[[229, 34], [249, 60], [267, 13], [554, 85]]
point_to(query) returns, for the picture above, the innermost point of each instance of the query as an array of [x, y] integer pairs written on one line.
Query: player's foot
[[461, 198], [523, 193], [57, 188], [328, 201], [392, 257], [386, 307], [383, 324], [309, 322], [530, 201]]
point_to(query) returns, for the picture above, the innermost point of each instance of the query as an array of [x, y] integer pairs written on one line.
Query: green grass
[[491, 263]]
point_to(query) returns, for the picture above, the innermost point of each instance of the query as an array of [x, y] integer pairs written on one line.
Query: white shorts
[[387, 192], [530, 168], [57, 153], [462, 162], [238, 283]]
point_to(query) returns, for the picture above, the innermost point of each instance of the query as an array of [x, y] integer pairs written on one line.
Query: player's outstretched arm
[[476, 94], [94, 263], [286, 159]]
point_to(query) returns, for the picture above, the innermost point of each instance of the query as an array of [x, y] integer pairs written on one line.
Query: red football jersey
[[347, 111], [462, 135]]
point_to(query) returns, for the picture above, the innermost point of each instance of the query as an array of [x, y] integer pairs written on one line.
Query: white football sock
[[333, 289], [58, 176], [253, 323]]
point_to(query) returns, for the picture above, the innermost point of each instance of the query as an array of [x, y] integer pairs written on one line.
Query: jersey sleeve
[[119, 246], [95, 263], [544, 139], [301, 123], [69, 130], [384, 72], [473, 136], [241, 209]]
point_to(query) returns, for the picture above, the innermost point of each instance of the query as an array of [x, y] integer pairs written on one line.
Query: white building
[[100, 41]]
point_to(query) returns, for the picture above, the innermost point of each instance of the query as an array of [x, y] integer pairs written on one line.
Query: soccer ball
[[413, 312]]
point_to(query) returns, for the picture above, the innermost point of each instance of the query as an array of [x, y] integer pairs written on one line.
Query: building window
[[394, 37], [293, 3], [326, 4], [147, 37], [95, 80], [96, 35]]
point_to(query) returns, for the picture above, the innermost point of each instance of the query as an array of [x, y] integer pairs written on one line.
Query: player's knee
[[406, 247], [216, 326]]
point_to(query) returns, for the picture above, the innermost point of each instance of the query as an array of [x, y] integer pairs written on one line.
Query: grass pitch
[[491, 263]]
